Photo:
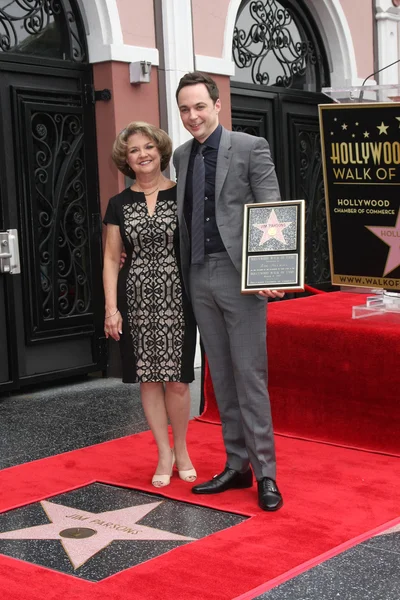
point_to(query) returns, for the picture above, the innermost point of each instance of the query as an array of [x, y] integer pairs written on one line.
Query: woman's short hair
[[159, 137]]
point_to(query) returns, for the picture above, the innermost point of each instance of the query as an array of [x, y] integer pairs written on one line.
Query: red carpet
[[331, 495], [317, 560], [331, 378]]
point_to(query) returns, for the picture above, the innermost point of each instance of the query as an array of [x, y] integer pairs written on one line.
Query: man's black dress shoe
[[227, 480], [269, 497]]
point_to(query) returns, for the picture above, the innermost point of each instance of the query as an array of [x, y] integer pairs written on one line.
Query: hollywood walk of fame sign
[[83, 534], [273, 246], [361, 161]]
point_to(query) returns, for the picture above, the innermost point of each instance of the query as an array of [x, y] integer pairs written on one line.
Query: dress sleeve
[[111, 217]]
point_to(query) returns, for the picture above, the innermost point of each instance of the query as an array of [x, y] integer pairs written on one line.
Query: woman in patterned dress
[[146, 308]]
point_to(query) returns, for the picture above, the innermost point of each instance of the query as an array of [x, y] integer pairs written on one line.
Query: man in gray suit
[[217, 173]]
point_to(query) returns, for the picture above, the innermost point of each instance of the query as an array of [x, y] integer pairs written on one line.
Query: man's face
[[198, 112]]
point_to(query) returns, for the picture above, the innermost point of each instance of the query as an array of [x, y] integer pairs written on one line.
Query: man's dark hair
[[196, 77]]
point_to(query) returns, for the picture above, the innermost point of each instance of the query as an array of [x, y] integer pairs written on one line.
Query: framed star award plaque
[[273, 246]]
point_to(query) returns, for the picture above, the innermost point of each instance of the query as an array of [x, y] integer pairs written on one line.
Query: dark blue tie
[[199, 182]]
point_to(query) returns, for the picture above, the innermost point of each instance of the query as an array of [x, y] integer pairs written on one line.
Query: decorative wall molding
[[388, 42], [104, 34], [336, 33], [102, 21], [392, 14], [230, 23], [214, 65], [124, 53]]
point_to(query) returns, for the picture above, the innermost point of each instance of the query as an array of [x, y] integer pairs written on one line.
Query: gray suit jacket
[[245, 174]]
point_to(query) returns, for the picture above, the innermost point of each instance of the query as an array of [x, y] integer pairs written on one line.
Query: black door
[[288, 119], [51, 313], [5, 374]]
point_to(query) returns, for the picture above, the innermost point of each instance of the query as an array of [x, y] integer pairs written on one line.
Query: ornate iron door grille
[[55, 213], [275, 44], [309, 184], [48, 28]]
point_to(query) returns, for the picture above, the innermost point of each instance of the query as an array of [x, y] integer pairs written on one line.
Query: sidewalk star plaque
[[95, 531], [361, 158], [273, 246]]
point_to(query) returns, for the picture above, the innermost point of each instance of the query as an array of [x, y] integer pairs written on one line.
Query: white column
[[388, 27], [178, 60]]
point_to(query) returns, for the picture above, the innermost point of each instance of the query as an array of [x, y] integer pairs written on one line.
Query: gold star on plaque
[[366, 134], [382, 128], [353, 135], [357, 124], [332, 133], [344, 126]]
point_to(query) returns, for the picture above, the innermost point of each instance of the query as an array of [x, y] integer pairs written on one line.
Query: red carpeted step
[[331, 378]]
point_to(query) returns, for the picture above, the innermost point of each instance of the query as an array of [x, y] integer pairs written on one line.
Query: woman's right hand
[[122, 259], [113, 326]]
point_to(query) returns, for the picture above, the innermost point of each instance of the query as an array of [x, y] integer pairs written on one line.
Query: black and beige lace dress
[[159, 331]]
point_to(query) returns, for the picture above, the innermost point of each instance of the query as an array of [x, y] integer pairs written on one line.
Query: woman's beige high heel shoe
[[162, 480], [188, 475]]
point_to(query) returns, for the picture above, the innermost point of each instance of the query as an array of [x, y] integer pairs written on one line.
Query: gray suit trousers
[[233, 331]]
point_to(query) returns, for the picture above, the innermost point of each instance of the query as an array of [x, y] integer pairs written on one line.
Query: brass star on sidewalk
[[83, 534], [382, 128]]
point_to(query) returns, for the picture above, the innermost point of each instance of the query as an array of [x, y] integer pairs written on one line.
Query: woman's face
[[142, 155]]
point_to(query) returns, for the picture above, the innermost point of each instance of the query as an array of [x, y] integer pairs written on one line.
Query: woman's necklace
[[148, 193]]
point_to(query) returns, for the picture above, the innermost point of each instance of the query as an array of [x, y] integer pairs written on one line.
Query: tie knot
[[201, 149]]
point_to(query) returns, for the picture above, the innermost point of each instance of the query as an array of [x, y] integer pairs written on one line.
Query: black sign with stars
[[361, 161]]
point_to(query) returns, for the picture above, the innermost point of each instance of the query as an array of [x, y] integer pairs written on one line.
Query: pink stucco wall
[[129, 103], [209, 18], [361, 22], [137, 22]]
